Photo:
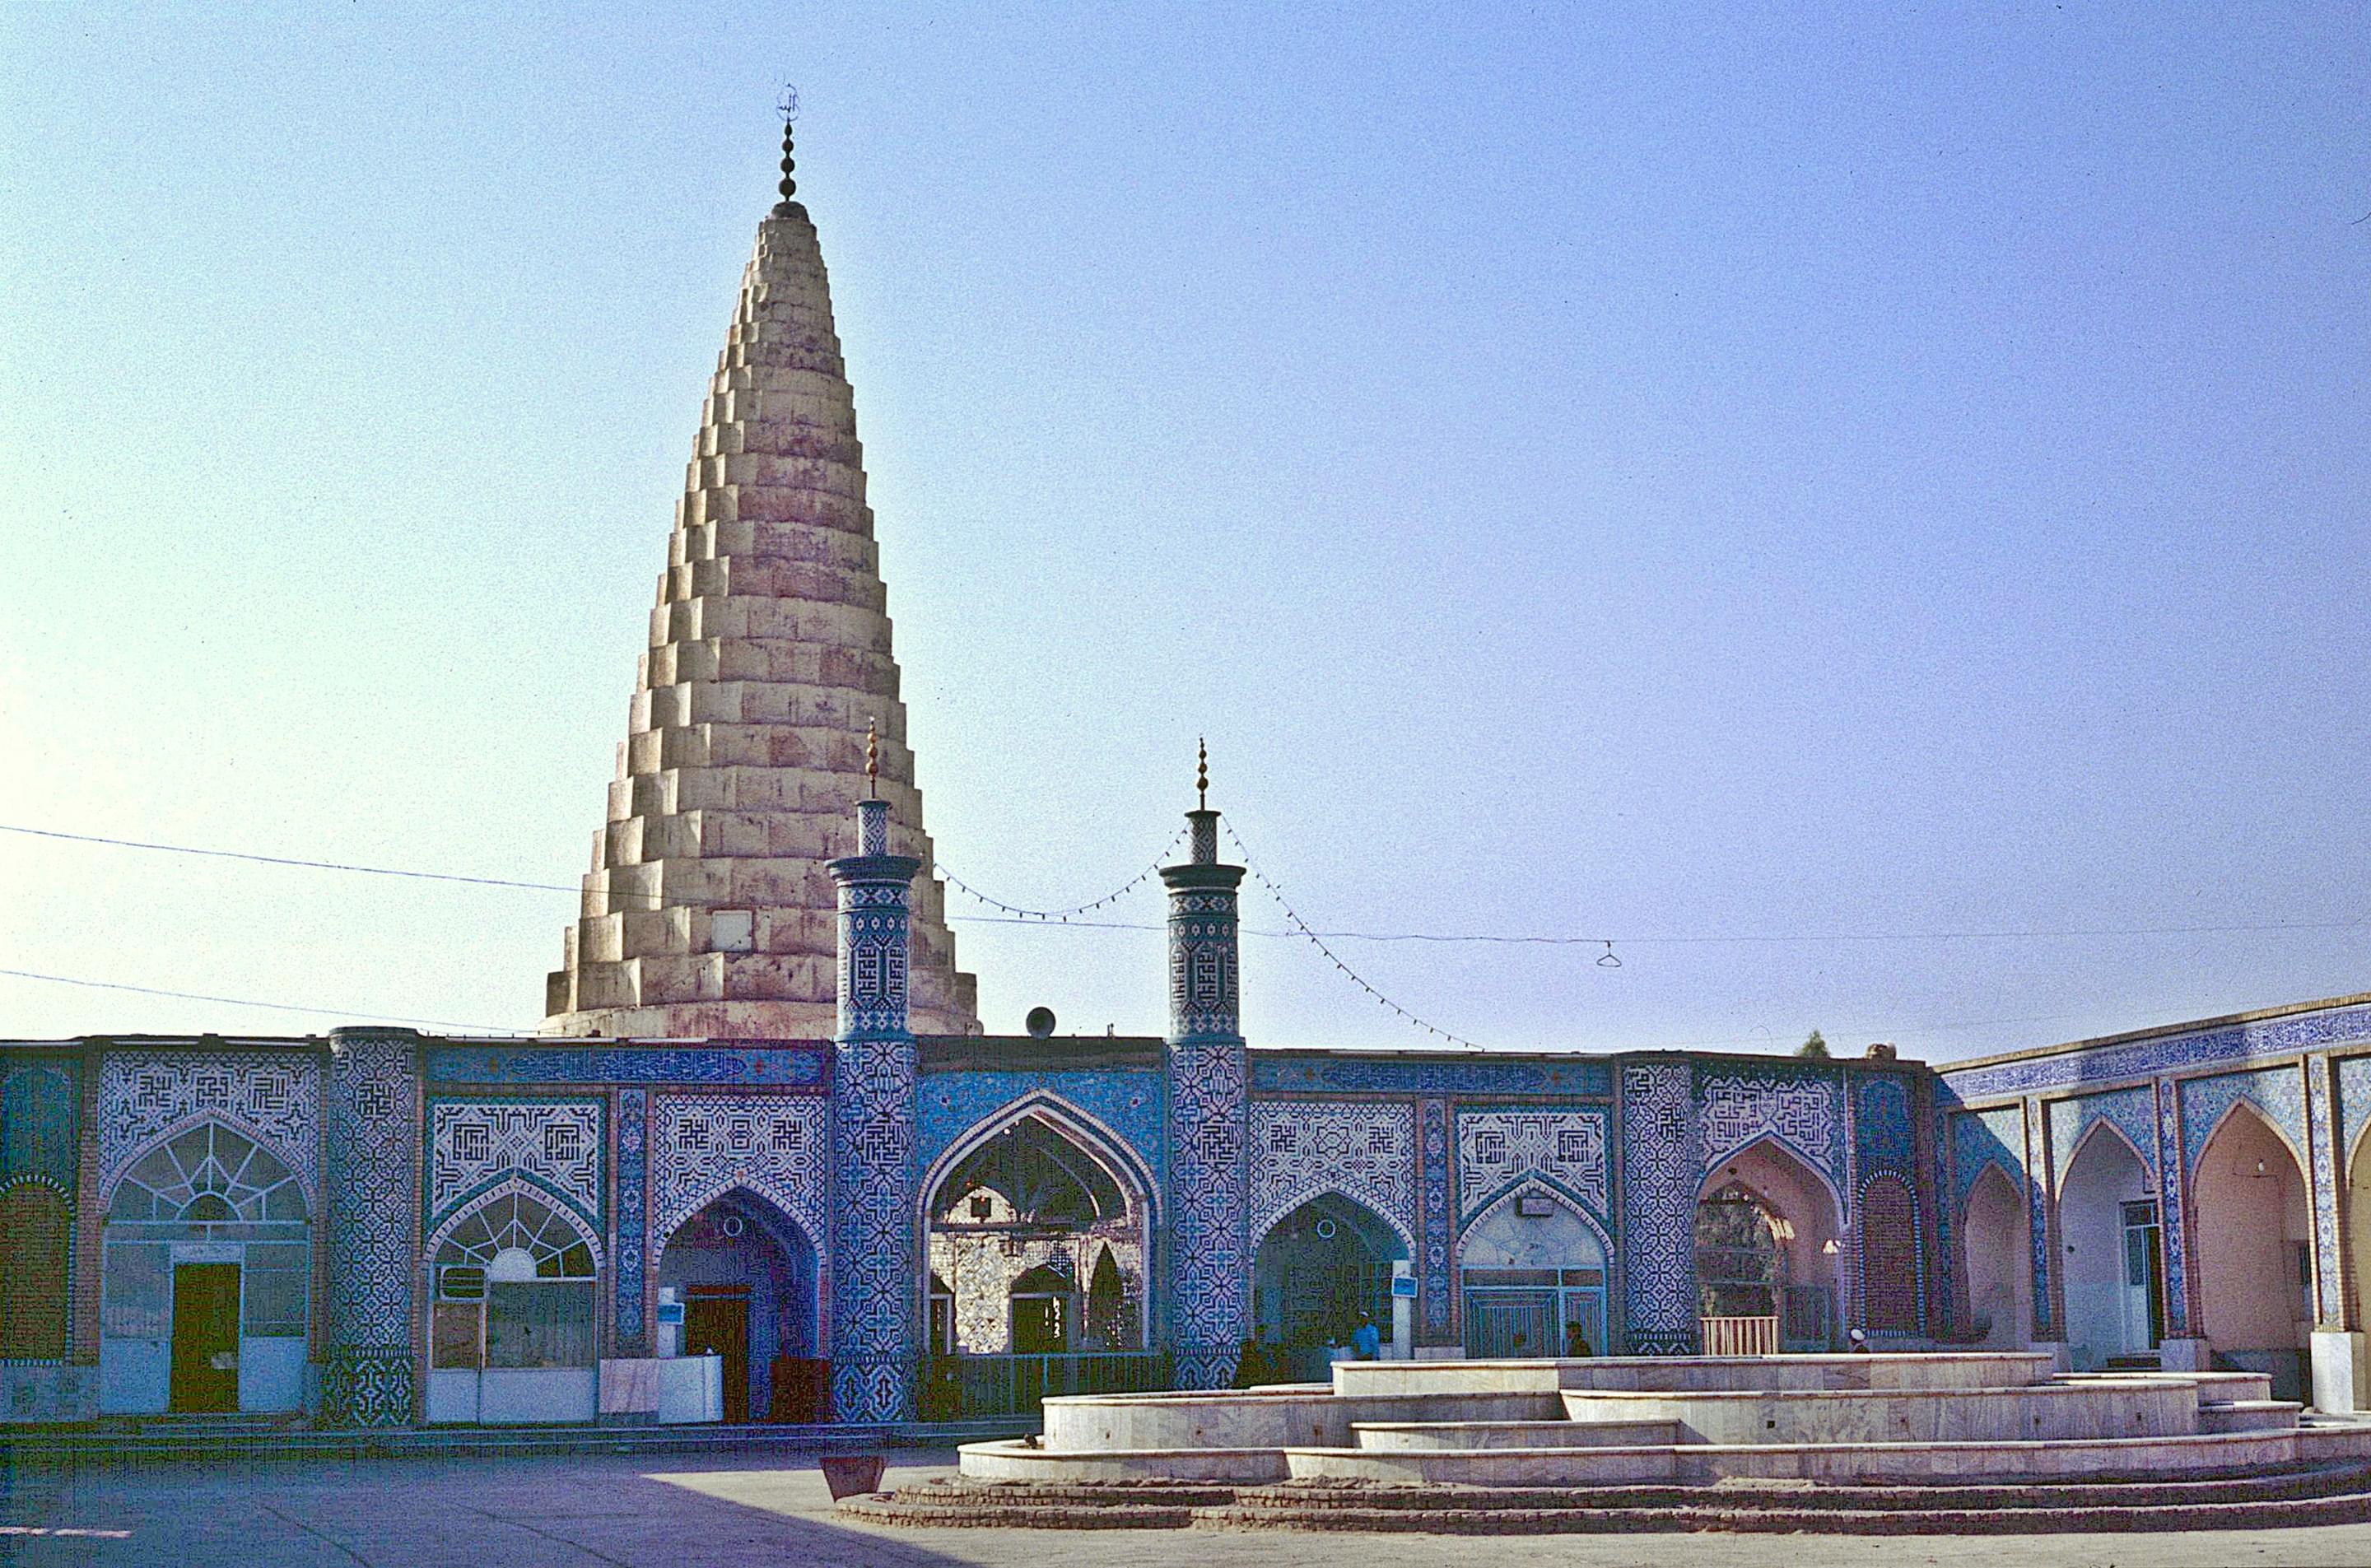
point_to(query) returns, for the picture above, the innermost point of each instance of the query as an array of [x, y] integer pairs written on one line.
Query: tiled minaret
[[1210, 1253], [708, 911]]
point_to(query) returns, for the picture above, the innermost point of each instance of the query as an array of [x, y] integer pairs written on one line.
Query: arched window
[[34, 1221], [514, 1284], [210, 1175]]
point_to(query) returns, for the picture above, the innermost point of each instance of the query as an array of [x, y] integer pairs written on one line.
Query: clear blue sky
[[1779, 473]]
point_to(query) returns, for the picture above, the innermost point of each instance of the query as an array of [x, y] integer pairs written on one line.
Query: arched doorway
[[1995, 1240], [1320, 1269], [205, 1296], [2107, 1233], [1025, 1219], [1890, 1285], [1768, 1255], [511, 1326], [743, 1276], [1532, 1279], [2252, 1249]]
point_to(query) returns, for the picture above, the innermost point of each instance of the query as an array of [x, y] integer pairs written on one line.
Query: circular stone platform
[[1906, 1443]]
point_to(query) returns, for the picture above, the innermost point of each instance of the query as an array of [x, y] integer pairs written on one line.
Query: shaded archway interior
[[738, 1280], [1322, 1269], [1769, 1245], [1996, 1254], [2108, 1243], [2252, 1239]]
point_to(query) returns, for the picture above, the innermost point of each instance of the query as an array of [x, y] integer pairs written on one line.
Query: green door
[[205, 1337]]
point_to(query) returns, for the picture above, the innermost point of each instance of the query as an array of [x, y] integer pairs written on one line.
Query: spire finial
[[873, 759], [789, 107], [1202, 771]]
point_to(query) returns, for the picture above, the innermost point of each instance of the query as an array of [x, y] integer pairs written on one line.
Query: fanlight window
[[514, 1284], [209, 1173]]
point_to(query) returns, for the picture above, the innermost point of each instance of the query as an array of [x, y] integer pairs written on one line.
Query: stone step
[[1404, 1435], [2250, 1415], [2095, 1409], [2323, 1495], [2212, 1453]]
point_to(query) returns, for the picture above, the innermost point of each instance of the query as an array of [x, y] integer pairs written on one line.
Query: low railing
[[1740, 1336], [958, 1388]]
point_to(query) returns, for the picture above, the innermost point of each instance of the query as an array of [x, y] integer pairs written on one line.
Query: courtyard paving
[[691, 1513]]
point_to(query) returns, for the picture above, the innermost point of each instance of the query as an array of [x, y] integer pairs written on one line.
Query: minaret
[[708, 911], [1209, 1253], [875, 1242]]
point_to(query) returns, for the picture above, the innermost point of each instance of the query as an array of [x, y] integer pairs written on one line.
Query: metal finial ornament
[[789, 107], [1202, 771], [873, 759]]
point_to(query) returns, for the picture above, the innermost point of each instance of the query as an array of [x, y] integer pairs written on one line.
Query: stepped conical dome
[[708, 911]]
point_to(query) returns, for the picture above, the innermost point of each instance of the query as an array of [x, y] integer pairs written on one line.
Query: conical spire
[[708, 911]]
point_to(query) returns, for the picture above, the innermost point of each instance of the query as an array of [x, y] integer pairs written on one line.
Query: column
[[877, 1252], [1209, 1255], [371, 1177], [1662, 1166]]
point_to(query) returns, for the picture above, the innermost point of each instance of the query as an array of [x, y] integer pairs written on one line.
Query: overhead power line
[[1018, 914], [251, 1002]]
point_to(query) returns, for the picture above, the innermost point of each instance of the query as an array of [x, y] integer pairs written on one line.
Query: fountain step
[[2088, 1411], [1396, 1435], [2326, 1495], [1709, 1373], [2220, 1452], [2250, 1415]]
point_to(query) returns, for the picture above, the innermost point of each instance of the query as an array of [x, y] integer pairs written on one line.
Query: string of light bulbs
[[1061, 916], [1303, 929]]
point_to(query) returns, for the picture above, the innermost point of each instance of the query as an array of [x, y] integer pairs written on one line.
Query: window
[[514, 1289]]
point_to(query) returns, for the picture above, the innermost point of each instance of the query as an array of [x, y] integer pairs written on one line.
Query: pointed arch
[[1263, 1224], [1524, 1188], [1081, 1128], [2252, 1245], [2262, 1118], [2097, 1126], [1770, 1146], [523, 1186], [1996, 1255]]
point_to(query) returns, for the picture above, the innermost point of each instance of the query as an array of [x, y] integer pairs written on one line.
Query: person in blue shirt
[[1365, 1340]]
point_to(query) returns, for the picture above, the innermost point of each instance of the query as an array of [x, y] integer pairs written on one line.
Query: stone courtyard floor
[[695, 1512]]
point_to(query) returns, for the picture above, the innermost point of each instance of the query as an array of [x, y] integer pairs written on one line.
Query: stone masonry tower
[[708, 911]]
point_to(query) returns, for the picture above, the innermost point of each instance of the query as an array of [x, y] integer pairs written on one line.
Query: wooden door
[[716, 1322], [205, 1337]]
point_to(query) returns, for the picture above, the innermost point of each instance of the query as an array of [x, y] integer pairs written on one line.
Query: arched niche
[[205, 1293], [1531, 1278], [2251, 1249], [1995, 1240], [1318, 1271], [1041, 1187], [514, 1282], [744, 1273], [1769, 1243], [2107, 1247]]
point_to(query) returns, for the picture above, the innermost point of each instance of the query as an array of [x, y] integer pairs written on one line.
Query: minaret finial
[[788, 107], [873, 759], [1202, 771]]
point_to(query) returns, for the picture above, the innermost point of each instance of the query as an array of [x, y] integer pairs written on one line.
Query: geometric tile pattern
[[2235, 1042], [1365, 1152], [1204, 990], [1805, 1114], [1210, 1221], [1985, 1138], [2174, 1223], [1662, 1164], [273, 1097], [40, 1108], [1127, 1101], [1498, 1149], [1287, 1072], [718, 1061], [873, 1243], [629, 1257], [1435, 1282], [2277, 1092], [776, 1146], [1882, 1124], [474, 1143], [2324, 1178], [373, 1147], [2132, 1111]]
